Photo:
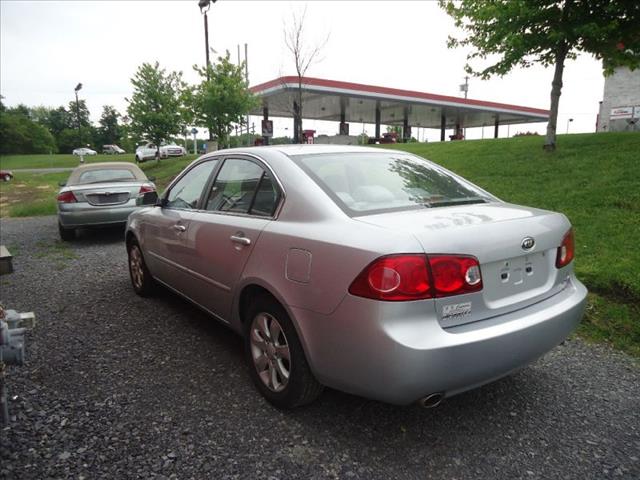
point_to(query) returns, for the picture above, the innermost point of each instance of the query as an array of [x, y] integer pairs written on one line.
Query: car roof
[[304, 149], [75, 174]]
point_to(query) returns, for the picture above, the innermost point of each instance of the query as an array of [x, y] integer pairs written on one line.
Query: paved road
[[118, 386]]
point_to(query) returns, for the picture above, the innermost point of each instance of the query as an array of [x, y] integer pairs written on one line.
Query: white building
[[620, 105]]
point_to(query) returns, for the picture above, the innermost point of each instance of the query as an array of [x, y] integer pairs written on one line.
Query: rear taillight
[[566, 250], [67, 197], [399, 278], [146, 189], [455, 275]]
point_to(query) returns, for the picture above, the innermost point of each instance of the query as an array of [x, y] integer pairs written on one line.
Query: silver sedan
[[371, 271], [100, 194]]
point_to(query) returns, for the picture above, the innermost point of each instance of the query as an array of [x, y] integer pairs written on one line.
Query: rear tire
[[66, 234], [277, 363], [6, 178], [141, 279]]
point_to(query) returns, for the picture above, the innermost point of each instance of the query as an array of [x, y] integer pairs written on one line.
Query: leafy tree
[[109, 131], [59, 120], [155, 105], [19, 134], [79, 110], [222, 97], [520, 33]]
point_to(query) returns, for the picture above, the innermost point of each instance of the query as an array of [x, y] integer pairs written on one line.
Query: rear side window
[[187, 191], [110, 175], [243, 186], [367, 183]]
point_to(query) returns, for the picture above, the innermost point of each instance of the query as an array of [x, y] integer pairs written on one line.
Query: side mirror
[[149, 198], [151, 179], [62, 184]]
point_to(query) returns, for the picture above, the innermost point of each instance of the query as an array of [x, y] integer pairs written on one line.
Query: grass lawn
[[11, 162], [594, 179], [31, 194]]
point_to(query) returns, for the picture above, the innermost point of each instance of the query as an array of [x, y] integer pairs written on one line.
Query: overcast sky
[[47, 47]]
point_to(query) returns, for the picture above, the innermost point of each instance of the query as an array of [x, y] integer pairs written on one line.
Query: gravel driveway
[[117, 386]]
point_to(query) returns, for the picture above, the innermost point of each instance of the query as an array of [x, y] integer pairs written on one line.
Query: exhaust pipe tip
[[432, 400]]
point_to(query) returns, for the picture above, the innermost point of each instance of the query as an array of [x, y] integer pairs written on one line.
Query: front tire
[[66, 234], [141, 279], [277, 363], [6, 178]]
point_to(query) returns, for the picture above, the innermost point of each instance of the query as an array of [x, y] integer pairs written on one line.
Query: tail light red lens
[[394, 278], [67, 197], [455, 275], [146, 189], [399, 278], [566, 250]]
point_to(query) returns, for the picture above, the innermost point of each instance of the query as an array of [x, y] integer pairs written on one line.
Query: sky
[[48, 47]]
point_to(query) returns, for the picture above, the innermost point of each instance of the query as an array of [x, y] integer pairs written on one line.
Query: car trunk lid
[[515, 246], [106, 194]]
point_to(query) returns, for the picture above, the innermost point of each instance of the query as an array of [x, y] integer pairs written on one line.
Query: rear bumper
[[85, 215], [398, 353]]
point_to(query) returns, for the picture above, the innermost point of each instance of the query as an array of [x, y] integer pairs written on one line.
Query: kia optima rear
[[372, 271]]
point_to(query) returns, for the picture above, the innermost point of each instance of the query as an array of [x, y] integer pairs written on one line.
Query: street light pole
[[205, 5], [77, 89], [568, 122]]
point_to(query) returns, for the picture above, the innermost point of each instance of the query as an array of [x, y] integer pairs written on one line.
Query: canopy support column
[[443, 126], [265, 116], [377, 120], [495, 128]]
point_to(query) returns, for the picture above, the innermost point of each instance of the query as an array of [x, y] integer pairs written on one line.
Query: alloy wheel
[[270, 352]]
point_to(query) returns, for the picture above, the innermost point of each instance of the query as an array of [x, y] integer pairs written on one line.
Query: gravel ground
[[117, 386]]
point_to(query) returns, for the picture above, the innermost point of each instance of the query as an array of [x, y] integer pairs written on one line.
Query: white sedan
[[84, 151]]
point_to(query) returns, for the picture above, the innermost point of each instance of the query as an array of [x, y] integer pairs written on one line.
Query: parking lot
[[117, 386]]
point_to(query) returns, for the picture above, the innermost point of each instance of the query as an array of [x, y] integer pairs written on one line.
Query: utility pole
[[77, 89], [205, 5], [246, 77]]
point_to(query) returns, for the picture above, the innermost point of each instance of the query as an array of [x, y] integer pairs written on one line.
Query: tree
[[222, 98], [304, 55], [524, 32], [154, 107], [19, 134], [109, 130]]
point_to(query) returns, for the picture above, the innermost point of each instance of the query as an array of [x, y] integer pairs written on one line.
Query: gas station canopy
[[352, 102]]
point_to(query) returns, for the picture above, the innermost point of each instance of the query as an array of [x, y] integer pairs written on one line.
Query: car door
[[241, 201], [166, 228]]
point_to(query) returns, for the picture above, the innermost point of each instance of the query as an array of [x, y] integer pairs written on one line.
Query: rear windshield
[[110, 175], [366, 183]]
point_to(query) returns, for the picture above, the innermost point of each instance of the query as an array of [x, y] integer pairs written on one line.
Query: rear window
[[366, 183], [110, 175]]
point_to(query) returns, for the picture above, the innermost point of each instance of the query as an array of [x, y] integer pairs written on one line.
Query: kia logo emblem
[[528, 243]]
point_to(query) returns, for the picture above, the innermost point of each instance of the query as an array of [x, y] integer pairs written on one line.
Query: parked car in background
[[112, 150], [371, 271], [172, 150], [147, 151], [6, 175], [84, 151], [100, 194]]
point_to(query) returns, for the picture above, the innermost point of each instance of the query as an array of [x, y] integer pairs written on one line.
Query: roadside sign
[[621, 112], [194, 130], [267, 128]]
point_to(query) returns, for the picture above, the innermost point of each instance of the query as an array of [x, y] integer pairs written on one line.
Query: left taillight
[[566, 250], [398, 278], [67, 197], [146, 189]]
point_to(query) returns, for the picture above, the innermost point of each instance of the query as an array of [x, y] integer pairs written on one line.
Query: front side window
[[242, 186], [366, 183], [186, 192]]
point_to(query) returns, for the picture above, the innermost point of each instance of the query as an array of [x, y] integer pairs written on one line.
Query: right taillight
[[566, 250], [67, 197], [399, 278]]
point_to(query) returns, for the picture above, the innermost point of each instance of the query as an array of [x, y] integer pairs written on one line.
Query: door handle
[[179, 228], [241, 240]]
